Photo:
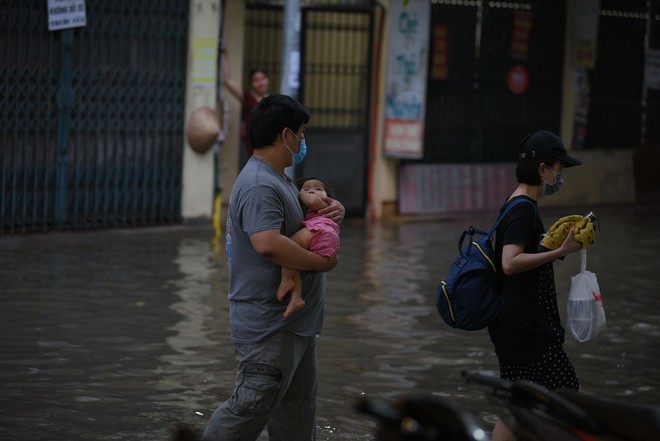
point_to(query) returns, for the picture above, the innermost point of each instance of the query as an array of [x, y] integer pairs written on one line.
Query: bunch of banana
[[584, 232]]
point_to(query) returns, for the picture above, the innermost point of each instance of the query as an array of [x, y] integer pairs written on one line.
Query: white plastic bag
[[585, 315]]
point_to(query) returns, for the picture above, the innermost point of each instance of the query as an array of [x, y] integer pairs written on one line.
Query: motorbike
[[533, 413]]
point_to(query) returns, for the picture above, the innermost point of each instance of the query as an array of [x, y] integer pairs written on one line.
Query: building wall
[[384, 180], [233, 41], [198, 169], [605, 178]]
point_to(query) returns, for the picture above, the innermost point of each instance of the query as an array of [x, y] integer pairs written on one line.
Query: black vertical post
[[64, 100]]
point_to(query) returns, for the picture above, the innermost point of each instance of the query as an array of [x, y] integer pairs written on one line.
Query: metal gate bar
[[28, 83], [122, 162]]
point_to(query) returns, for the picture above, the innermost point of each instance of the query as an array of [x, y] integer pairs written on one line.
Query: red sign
[[522, 29], [518, 79], [440, 48]]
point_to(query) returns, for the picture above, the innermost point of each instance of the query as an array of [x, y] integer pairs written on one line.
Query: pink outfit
[[325, 241]]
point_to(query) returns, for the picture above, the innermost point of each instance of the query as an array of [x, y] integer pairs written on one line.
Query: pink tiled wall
[[447, 188]]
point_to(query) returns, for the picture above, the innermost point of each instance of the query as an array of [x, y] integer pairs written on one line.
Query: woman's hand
[[570, 245], [334, 211]]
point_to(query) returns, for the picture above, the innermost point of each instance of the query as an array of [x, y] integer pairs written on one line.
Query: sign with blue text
[[407, 61], [66, 14]]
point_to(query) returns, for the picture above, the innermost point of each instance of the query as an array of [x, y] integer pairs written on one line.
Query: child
[[319, 235]]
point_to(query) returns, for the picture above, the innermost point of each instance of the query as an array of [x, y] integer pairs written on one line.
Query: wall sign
[[440, 54], [518, 79], [204, 62], [66, 14], [522, 29], [652, 69], [408, 52], [587, 13]]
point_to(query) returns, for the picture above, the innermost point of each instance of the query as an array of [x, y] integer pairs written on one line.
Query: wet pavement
[[121, 334]]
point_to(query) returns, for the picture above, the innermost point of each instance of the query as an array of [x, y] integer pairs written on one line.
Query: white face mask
[[553, 188]]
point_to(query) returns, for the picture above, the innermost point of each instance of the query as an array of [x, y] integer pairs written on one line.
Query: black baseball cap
[[543, 144]]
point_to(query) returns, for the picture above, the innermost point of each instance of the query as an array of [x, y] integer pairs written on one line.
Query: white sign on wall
[[204, 62], [652, 69], [587, 14], [408, 52], [66, 14]]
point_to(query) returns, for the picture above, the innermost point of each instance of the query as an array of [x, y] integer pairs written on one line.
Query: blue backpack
[[469, 297]]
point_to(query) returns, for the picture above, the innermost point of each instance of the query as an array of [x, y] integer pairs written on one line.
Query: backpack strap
[[506, 211]]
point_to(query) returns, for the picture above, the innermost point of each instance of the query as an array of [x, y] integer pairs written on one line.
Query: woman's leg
[[501, 432]]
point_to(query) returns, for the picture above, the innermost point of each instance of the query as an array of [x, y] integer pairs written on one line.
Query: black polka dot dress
[[527, 335]]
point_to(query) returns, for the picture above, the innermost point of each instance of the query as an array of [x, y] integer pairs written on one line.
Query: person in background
[[319, 235], [528, 335], [276, 375], [249, 97]]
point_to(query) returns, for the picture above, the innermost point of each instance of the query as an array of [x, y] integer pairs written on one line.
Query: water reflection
[[191, 367], [121, 334]]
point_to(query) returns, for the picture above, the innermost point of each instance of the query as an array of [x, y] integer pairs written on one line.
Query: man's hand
[[334, 211]]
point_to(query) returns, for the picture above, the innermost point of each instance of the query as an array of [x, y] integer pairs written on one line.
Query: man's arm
[[283, 251]]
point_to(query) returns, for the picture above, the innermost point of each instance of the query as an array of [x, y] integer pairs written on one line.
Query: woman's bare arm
[[232, 86], [515, 260]]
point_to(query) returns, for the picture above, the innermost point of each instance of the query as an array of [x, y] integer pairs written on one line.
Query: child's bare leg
[[287, 283], [291, 284], [295, 301]]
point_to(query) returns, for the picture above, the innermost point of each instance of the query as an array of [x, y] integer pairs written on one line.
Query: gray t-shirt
[[262, 199]]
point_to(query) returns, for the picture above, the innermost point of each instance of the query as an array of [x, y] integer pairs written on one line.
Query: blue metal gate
[[92, 117]]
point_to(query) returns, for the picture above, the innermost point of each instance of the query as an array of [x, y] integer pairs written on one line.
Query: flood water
[[121, 334]]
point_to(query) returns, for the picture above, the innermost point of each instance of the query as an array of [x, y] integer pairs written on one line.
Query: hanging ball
[[203, 128]]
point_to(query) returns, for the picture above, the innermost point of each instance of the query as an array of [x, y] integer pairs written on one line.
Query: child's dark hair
[[301, 181]]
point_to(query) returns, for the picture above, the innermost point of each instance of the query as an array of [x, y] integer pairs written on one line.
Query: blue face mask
[[549, 189], [302, 151]]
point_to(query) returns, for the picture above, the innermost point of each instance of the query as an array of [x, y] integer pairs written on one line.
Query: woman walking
[[528, 335]]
